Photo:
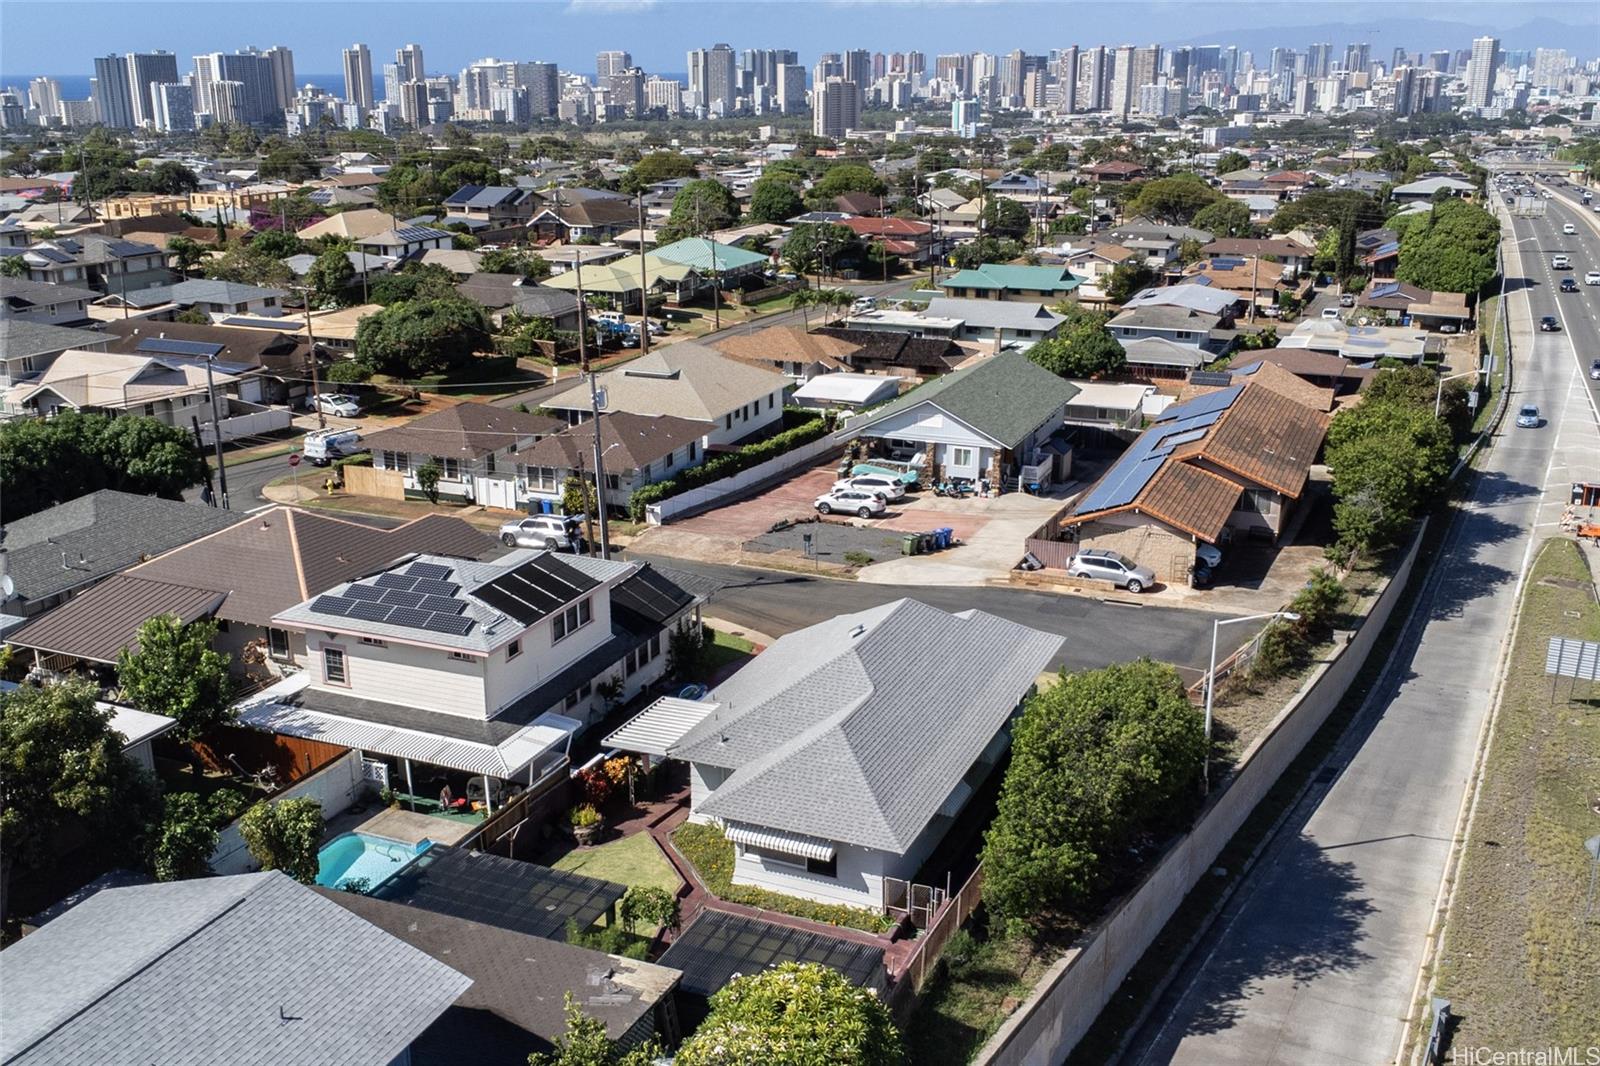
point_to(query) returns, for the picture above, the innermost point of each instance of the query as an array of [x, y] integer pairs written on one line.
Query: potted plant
[[586, 823]]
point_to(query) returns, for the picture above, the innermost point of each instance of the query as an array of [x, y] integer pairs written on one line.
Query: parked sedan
[[335, 403], [1548, 324], [1112, 566], [1528, 417], [847, 501], [891, 489]]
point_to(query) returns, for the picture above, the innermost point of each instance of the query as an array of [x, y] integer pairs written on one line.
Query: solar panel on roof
[[442, 604], [364, 592], [457, 625], [54, 255], [128, 248], [535, 589], [431, 570], [434, 587], [410, 617], [168, 346], [402, 598], [1210, 378], [463, 194], [287, 324], [371, 612], [332, 605], [395, 581]]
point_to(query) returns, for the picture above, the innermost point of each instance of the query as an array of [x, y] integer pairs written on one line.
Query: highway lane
[[1097, 633], [1316, 957]]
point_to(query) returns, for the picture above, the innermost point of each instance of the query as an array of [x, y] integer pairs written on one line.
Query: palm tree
[[803, 300]]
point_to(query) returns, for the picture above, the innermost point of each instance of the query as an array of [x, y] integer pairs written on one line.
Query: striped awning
[[796, 844]]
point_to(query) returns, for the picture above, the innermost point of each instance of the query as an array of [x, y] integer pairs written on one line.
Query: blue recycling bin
[[547, 506], [946, 535]]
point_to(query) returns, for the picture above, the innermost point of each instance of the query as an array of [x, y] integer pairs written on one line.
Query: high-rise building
[[1404, 81], [543, 85], [77, 113], [791, 88], [1439, 61], [858, 69], [146, 69], [664, 95], [1178, 65], [698, 59], [283, 86], [627, 91], [414, 103], [252, 70], [1357, 57], [1067, 78], [1146, 65], [607, 64], [1550, 66], [963, 117], [227, 102], [1319, 60], [1481, 70], [722, 79], [358, 76], [1399, 58], [953, 72], [1123, 87], [44, 95], [408, 64], [835, 108], [173, 105], [112, 99]]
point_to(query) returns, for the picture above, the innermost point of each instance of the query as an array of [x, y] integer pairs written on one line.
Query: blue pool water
[[353, 856]]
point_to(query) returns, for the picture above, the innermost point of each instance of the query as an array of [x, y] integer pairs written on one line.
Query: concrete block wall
[[1169, 554]]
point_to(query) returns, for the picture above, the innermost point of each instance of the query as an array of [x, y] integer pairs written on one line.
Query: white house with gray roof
[[252, 970], [843, 754]]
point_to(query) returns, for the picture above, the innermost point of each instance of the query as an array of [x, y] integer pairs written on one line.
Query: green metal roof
[[696, 252], [1006, 276], [1005, 397]]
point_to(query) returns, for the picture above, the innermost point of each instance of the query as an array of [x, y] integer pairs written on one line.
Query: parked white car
[[335, 403], [1112, 566], [890, 489], [1330, 312], [851, 501], [552, 532]]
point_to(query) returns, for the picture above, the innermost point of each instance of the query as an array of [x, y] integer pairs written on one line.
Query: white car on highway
[[1570, 230], [1592, 278], [851, 501], [1560, 262]]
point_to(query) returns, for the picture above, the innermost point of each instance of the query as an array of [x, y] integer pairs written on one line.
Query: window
[[571, 700], [828, 868], [461, 657], [513, 650], [961, 457], [770, 401], [278, 643], [149, 409], [768, 857], [572, 619], [694, 450], [613, 481], [654, 646], [333, 671], [374, 642], [1260, 501], [631, 664], [400, 461], [668, 461], [488, 463], [449, 469], [728, 422]]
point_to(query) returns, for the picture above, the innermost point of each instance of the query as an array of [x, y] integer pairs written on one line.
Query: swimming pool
[[363, 857]]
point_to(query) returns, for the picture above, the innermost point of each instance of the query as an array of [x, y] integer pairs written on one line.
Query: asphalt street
[[1097, 632], [1316, 957]]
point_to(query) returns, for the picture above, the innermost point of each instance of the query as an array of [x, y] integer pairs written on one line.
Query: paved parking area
[[831, 540], [749, 518]]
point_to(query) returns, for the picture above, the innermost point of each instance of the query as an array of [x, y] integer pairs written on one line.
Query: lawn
[[630, 860], [966, 1002], [1517, 959], [726, 649]]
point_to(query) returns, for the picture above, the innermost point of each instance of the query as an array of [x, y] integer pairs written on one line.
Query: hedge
[[725, 465], [711, 854]]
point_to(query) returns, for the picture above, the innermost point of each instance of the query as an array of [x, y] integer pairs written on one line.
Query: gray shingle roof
[[247, 969], [21, 292], [1001, 314], [858, 729], [99, 534], [201, 290], [20, 337], [1005, 397]]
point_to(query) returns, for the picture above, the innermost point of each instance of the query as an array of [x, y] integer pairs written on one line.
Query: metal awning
[[654, 730], [504, 760], [795, 844]]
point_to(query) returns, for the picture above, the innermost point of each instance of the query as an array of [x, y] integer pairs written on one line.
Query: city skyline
[[658, 35]]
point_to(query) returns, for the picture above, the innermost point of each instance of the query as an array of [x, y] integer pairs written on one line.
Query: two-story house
[[996, 321], [689, 381], [37, 301], [470, 443], [27, 348], [498, 205], [170, 389], [451, 668], [104, 264], [405, 241]]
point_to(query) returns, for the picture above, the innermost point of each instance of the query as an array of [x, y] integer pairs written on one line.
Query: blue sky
[[62, 37]]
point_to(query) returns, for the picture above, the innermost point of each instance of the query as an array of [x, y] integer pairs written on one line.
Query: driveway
[[749, 518], [992, 532]]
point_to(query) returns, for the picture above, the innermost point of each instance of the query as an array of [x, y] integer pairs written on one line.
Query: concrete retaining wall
[[335, 786], [717, 493], [1066, 1001]]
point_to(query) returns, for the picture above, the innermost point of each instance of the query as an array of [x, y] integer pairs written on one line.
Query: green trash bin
[[909, 544]]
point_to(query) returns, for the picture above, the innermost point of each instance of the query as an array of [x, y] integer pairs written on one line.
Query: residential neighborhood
[[956, 540]]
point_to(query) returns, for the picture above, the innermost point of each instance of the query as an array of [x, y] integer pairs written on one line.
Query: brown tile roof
[[279, 352], [1248, 246], [1270, 376], [1269, 439], [1191, 498], [273, 560], [876, 349], [1307, 363], [101, 622], [465, 431], [777, 344], [637, 439]]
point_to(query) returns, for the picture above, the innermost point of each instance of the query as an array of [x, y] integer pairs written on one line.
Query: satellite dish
[[8, 587]]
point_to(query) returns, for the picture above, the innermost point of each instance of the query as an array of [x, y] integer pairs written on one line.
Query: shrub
[[582, 815], [284, 835], [725, 465], [347, 372], [857, 558], [648, 904]]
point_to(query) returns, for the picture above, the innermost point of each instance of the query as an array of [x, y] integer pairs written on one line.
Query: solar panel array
[[262, 323], [53, 254], [126, 248], [539, 587], [499, 892], [418, 233], [650, 595], [1179, 424], [416, 598], [166, 346]]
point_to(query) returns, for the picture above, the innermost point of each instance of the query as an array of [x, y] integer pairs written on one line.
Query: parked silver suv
[[1112, 566], [550, 531]]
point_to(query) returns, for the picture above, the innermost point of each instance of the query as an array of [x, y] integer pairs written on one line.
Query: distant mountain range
[[1412, 34]]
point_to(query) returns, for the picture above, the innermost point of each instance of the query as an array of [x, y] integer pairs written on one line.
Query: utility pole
[[311, 349], [216, 433], [716, 294], [594, 403], [1255, 269], [644, 286], [588, 512]]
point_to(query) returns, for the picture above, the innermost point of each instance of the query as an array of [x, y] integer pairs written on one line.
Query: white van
[[323, 446]]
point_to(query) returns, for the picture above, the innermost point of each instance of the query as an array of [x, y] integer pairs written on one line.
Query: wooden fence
[[513, 832], [1054, 554], [370, 481], [919, 967]]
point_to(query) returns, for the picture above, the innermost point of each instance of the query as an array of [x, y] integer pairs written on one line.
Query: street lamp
[[1438, 397], [1211, 681]]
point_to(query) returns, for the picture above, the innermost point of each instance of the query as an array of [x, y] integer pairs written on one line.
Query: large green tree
[[1173, 200], [1082, 348], [61, 761], [177, 672], [797, 1014], [528, 264], [1126, 279], [699, 208], [774, 200], [416, 337], [846, 177], [182, 844], [1229, 162], [585, 1043], [44, 462], [331, 275], [1452, 249], [1224, 218], [414, 281], [1097, 758], [812, 245], [657, 167], [1006, 219], [283, 835]]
